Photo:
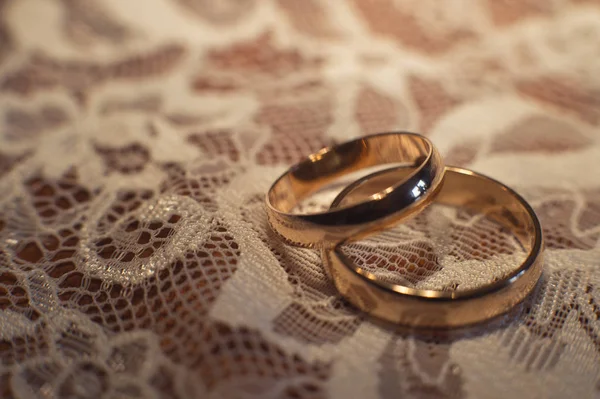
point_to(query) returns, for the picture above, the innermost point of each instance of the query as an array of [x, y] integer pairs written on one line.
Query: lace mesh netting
[[137, 141], [442, 248]]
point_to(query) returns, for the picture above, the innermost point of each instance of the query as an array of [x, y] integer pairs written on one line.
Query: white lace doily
[[138, 139]]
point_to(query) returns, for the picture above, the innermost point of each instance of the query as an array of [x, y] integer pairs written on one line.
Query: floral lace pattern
[[137, 141]]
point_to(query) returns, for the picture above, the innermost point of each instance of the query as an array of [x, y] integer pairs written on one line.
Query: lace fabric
[[137, 141]]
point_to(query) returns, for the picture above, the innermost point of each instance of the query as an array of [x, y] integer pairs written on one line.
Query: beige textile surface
[[137, 141]]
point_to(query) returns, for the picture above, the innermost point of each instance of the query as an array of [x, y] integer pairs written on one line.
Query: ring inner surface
[[325, 167]]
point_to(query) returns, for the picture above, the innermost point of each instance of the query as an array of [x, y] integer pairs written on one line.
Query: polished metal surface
[[393, 203], [443, 309]]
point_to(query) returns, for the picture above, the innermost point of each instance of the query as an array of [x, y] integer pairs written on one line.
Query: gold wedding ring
[[387, 197], [437, 308], [391, 205]]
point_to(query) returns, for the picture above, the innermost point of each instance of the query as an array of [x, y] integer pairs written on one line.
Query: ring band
[[398, 201], [437, 308]]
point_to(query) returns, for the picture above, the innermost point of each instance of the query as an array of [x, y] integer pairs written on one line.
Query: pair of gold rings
[[384, 198]]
